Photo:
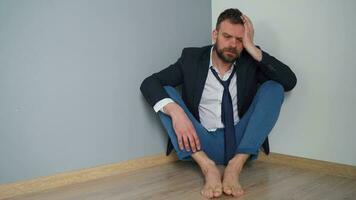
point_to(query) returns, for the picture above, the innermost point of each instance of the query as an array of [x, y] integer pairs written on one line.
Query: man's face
[[228, 41]]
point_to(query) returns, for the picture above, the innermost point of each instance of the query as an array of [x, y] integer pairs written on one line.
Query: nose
[[233, 43], [236, 43]]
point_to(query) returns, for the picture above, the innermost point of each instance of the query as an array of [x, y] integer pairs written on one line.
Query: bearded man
[[232, 93]]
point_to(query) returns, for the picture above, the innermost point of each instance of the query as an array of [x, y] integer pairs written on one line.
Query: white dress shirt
[[210, 103]]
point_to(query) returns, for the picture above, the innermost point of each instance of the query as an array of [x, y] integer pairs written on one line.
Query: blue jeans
[[250, 131]]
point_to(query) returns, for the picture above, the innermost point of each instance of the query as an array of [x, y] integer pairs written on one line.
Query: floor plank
[[183, 180]]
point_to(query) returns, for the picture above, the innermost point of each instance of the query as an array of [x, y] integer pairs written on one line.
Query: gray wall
[[317, 39], [70, 73]]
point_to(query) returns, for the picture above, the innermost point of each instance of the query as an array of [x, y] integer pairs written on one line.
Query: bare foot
[[231, 184], [213, 186]]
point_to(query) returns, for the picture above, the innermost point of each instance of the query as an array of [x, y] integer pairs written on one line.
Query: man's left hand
[[247, 40]]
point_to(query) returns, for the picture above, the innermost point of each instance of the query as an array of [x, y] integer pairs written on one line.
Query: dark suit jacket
[[191, 71]]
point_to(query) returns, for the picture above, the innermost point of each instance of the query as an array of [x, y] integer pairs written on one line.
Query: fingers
[[186, 135], [247, 22], [197, 141], [192, 143], [186, 143], [249, 32], [189, 141], [180, 142], [246, 19], [194, 139]]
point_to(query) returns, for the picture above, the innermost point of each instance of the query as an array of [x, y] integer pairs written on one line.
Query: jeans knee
[[273, 88], [173, 94], [171, 91]]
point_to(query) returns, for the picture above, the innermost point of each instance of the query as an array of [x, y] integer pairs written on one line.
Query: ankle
[[238, 160], [202, 159], [235, 165], [208, 165]]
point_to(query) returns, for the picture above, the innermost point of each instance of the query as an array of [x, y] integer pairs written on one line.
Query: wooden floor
[[182, 181]]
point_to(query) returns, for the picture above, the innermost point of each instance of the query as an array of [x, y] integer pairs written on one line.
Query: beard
[[228, 54]]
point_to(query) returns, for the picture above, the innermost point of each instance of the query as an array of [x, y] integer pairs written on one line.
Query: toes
[[227, 190], [210, 194], [207, 192], [237, 191], [217, 192], [204, 193]]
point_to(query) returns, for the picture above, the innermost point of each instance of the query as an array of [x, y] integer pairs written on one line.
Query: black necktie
[[227, 117]]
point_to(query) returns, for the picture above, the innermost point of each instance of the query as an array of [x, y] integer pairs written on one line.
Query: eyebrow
[[226, 34]]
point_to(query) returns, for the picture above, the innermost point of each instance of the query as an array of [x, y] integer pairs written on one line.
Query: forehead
[[235, 30]]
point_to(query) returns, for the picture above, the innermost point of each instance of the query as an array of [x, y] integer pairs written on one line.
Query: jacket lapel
[[202, 73], [241, 78]]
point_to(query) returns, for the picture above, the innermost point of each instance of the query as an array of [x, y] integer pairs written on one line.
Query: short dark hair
[[231, 14]]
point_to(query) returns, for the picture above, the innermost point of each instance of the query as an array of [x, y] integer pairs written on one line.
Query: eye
[[227, 36]]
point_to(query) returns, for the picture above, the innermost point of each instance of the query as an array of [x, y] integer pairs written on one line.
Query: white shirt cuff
[[160, 104]]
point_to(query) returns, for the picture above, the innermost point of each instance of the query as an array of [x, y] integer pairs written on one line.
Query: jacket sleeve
[[271, 68], [152, 86]]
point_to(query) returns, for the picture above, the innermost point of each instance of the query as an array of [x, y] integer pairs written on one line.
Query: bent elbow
[[291, 83]]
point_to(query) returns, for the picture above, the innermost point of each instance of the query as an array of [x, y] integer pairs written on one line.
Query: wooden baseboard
[[58, 180], [331, 168], [67, 178]]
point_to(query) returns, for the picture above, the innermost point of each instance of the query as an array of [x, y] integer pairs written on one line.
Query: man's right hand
[[183, 127]]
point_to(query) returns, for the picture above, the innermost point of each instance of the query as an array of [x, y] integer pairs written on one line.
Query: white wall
[[317, 40]]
